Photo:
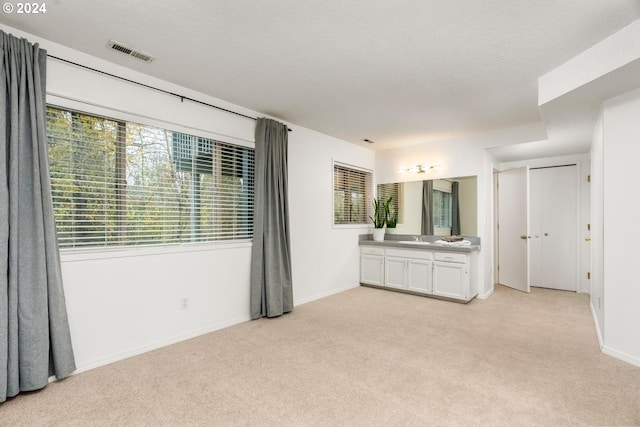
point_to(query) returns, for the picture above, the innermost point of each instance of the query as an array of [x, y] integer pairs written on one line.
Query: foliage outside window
[[351, 195], [122, 183], [395, 190]]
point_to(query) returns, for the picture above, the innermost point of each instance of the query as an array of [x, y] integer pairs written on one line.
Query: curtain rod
[[182, 97]]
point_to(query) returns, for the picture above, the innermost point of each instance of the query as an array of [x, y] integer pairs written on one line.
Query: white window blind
[[395, 190], [351, 195], [122, 183]]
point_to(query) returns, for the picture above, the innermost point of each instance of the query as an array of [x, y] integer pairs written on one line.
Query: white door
[[513, 228], [537, 189], [554, 227]]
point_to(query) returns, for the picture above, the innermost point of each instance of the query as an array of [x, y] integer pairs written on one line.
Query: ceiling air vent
[[128, 51]]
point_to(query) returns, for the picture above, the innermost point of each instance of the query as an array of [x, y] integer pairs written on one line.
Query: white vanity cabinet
[[372, 265], [408, 269], [426, 271], [451, 275]]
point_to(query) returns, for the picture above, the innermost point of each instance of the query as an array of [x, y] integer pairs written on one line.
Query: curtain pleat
[[35, 341], [271, 282], [427, 207], [455, 208]]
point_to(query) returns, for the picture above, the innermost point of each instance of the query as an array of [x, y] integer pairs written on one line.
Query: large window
[[122, 183], [351, 195]]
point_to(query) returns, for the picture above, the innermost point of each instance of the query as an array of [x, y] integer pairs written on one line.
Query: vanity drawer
[[450, 257], [371, 250], [409, 253]]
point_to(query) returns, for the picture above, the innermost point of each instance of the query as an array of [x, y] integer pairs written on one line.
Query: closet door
[[554, 227], [536, 180]]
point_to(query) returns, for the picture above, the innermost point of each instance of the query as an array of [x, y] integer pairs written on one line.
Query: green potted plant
[[379, 219], [391, 215]]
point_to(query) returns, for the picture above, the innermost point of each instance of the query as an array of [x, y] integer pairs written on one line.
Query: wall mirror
[[407, 197]]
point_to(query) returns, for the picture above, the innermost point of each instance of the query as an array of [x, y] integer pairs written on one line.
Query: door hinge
[[589, 227], [589, 275], [588, 178]]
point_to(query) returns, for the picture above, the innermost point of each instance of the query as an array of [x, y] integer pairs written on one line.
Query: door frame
[[583, 161]]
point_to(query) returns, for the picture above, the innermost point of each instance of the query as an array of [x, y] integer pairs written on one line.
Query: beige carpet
[[364, 357]]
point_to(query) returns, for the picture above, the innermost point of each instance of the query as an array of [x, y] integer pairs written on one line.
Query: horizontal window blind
[[123, 183], [395, 190], [351, 195]]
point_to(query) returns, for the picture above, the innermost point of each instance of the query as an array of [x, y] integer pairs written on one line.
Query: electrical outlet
[[184, 303]]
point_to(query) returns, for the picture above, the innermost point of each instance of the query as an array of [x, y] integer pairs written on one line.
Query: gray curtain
[[271, 283], [427, 208], [455, 209], [34, 331]]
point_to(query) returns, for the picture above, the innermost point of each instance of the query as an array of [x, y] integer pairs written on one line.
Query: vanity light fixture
[[420, 168]]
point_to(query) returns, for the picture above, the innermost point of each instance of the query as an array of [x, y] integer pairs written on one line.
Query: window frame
[[69, 254], [369, 186]]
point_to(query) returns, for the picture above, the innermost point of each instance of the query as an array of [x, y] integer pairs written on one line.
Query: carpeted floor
[[364, 357]]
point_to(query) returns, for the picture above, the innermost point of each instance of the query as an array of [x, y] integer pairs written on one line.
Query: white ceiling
[[394, 71]]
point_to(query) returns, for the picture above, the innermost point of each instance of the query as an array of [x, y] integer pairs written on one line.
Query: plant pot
[[391, 230], [378, 234]]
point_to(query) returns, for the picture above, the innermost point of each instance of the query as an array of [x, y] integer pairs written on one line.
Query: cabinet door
[[450, 280], [394, 270], [372, 269], [419, 275]]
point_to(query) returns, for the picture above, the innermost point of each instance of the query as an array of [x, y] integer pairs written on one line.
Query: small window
[[351, 195]]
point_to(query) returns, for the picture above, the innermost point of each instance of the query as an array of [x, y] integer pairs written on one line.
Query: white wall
[[469, 199], [125, 301], [325, 258], [597, 228], [621, 210], [412, 208]]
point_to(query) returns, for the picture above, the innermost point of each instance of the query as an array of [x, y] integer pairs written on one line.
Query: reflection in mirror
[[407, 200]]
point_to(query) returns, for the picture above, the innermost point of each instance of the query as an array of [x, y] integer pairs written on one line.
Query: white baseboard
[[324, 294], [622, 356], [486, 294], [597, 326], [607, 350], [159, 344], [96, 363]]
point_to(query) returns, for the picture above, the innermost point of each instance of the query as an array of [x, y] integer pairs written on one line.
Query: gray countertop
[[395, 242]]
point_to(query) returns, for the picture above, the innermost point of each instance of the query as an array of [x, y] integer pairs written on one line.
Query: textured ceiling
[[394, 71]]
